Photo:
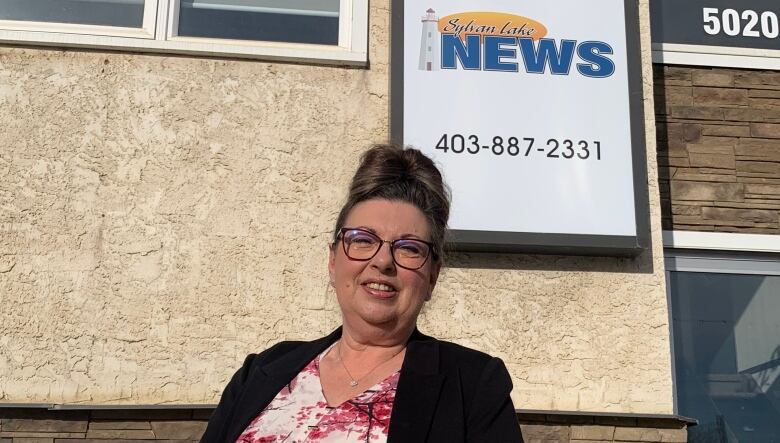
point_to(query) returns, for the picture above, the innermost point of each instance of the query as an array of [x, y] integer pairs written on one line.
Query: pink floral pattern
[[300, 413]]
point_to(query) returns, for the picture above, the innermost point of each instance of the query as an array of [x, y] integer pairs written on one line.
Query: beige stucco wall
[[161, 216]]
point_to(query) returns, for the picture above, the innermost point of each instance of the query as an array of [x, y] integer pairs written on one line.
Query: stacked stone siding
[[187, 425], [718, 135], [555, 428], [102, 426]]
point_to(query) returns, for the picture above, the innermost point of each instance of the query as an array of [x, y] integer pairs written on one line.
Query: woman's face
[[377, 292]]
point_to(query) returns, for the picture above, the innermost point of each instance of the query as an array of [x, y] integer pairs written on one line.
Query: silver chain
[[354, 382]]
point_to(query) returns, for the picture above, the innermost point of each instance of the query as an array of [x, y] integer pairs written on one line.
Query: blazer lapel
[[262, 386], [418, 391]]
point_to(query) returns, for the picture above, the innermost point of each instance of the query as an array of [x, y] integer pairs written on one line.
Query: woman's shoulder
[[289, 351], [455, 351], [480, 378], [456, 356], [274, 352]]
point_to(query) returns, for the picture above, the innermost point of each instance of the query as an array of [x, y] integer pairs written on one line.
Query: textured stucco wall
[[162, 216]]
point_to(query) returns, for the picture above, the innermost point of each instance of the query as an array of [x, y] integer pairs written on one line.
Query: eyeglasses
[[362, 245]]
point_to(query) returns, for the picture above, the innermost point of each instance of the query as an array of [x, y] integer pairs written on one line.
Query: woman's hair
[[391, 172]]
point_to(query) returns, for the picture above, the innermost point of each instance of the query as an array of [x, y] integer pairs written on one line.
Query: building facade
[[167, 201]]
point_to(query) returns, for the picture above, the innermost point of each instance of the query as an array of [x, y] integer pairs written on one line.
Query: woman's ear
[[435, 269], [332, 264]]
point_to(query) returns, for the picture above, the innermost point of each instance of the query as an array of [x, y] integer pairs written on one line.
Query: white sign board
[[526, 107]]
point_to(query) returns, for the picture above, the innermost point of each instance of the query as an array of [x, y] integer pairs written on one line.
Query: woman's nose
[[384, 257]]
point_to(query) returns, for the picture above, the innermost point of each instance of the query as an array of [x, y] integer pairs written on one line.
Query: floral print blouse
[[300, 413]]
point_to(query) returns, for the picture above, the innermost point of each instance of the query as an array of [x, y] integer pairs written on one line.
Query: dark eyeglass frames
[[362, 245]]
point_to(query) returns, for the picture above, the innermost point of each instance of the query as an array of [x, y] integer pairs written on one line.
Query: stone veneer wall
[[718, 148], [186, 426], [557, 428], [30, 425]]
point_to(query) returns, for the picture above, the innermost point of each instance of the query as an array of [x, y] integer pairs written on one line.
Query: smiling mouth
[[380, 287], [380, 290]]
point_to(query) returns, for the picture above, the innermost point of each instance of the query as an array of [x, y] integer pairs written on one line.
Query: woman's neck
[[372, 344]]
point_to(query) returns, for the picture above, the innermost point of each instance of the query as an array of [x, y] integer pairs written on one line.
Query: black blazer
[[446, 392]]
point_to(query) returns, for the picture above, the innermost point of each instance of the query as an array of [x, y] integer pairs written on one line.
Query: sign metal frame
[[549, 243]]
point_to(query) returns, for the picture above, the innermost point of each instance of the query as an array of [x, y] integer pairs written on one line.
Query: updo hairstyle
[[391, 172]]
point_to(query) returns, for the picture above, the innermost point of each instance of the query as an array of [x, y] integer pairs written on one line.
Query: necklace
[[352, 380]]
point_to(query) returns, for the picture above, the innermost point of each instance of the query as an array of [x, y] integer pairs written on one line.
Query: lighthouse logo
[[429, 42], [502, 42]]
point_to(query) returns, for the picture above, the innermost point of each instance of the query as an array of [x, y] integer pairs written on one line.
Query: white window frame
[[146, 31], [721, 241], [158, 35], [722, 56]]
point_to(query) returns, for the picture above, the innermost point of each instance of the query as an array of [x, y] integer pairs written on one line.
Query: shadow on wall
[[641, 264], [662, 146]]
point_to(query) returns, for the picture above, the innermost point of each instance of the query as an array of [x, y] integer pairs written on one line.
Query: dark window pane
[[261, 20], [727, 355], [122, 13]]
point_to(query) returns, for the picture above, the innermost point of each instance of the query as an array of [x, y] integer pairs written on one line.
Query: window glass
[[295, 21], [122, 13], [727, 354]]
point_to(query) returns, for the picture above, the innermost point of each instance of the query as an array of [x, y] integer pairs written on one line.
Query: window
[[301, 21], [121, 18], [725, 309], [121, 13], [332, 31]]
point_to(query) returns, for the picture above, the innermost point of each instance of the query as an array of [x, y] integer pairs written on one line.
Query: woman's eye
[[410, 248], [362, 240]]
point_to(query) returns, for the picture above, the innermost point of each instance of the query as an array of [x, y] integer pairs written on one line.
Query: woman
[[376, 378]]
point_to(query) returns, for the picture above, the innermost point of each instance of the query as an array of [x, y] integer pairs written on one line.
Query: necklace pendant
[[353, 383]]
